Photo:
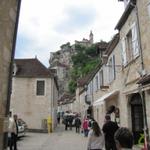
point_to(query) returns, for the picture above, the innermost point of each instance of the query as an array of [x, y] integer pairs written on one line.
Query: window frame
[[111, 69], [130, 45], [44, 88]]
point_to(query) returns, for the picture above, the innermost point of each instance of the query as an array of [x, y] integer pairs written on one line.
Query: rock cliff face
[[61, 61]]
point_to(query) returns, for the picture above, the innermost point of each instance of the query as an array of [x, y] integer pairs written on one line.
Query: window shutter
[[114, 69], [124, 55], [135, 45], [101, 78], [94, 84], [97, 84], [110, 66]]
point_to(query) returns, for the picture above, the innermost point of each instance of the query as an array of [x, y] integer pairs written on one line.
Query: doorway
[[137, 116]]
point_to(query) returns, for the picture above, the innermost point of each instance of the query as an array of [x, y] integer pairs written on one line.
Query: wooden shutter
[[124, 55], [135, 44], [114, 68]]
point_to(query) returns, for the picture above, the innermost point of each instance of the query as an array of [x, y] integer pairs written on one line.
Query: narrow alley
[[60, 139]]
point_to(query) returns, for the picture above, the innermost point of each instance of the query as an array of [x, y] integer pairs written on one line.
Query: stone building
[[9, 14], [134, 32], [86, 42], [86, 88], [34, 94], [121, 86]]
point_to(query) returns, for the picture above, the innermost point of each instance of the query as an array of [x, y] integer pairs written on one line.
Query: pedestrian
[[109, 128], [124, 139], [85, 127], [77, 124], [13, 132], [95, 137], [91, 120], [70, 120], [65, 121], [58, 117]]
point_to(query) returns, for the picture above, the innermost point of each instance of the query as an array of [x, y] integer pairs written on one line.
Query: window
[[40, 87], [135, 44], [130, 46], [111, 68], [123, 54]]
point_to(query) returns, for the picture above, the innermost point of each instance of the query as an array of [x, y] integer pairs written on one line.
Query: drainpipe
[[146, 130], [11, 70]]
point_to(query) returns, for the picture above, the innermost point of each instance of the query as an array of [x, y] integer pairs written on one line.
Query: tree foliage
[[72, 86], [84, 61]]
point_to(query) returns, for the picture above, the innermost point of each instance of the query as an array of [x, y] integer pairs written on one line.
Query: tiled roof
[[82, 81], [66, 99], [86, 79], [101, 46], [112, 44], [31, 68]]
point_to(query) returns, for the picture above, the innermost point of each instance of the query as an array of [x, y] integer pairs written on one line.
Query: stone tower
[[91, 40]]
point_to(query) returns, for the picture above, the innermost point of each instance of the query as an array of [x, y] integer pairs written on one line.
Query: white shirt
[[95, 142], [12, 126]]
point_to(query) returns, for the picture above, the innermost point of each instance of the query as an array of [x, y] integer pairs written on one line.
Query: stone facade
[[136, 67], [131, 65], [8, 15], [32, 108]]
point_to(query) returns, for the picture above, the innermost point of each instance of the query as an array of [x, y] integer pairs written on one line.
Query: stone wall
[[8, 10], [31, 108]]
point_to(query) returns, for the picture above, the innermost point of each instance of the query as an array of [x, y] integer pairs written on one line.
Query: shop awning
[[108, 95]]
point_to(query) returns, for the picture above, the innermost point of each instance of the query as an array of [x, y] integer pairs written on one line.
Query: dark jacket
[[77, 122], [109, 129]]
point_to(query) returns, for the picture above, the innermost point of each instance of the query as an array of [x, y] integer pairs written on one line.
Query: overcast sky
[[45, 25]]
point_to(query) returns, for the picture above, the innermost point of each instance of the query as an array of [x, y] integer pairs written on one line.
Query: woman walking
[[85, 127], [95, 138]]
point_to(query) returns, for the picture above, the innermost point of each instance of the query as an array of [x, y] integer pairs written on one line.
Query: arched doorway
[[136, 116]]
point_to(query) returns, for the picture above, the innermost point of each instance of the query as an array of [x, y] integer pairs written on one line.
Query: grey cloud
[[77, 18]]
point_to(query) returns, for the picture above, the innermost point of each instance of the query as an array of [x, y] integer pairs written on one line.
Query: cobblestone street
[[60, 139]]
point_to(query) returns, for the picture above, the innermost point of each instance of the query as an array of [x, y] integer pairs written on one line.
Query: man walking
[[109, 129], [13, 131], [77, 124]]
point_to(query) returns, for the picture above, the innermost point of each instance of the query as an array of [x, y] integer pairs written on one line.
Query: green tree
[[72, 86], [84, 61]]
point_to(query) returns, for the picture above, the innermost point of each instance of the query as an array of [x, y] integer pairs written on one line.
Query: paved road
[[59, 140]]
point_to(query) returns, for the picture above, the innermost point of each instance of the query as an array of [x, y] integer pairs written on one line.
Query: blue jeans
[[86, 131]]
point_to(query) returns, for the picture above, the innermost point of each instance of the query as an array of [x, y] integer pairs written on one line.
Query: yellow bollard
[[49, 124]]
